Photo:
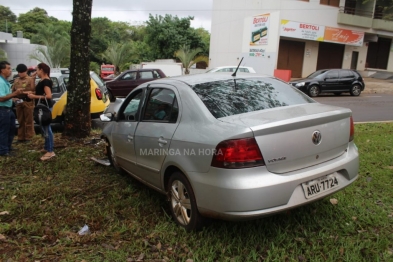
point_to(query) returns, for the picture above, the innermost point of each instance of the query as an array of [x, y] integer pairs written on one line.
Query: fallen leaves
[[334, 201], [4, 213]]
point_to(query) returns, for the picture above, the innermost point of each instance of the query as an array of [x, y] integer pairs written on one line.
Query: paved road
[[365, 108]]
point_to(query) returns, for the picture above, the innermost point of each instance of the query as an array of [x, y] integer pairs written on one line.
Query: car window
[[245, 70], [316, 74], [227, 97], [332, 75], [97, 79], [161, 106], [55, 87], [129, 111], [156, 74], [146, 75], [129, 76], [345, 74]]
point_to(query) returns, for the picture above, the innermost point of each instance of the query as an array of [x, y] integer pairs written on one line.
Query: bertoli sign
[[321, 33], [259, 34]]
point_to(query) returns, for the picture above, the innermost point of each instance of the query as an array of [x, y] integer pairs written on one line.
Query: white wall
[[230, 29]]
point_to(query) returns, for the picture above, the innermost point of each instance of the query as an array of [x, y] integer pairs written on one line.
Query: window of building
[[330, 2]]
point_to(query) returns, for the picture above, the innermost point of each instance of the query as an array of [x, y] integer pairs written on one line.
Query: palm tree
[[118, 54], [55, 46], [188, 57]]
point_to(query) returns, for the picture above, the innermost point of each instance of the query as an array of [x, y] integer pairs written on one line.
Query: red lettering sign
[[258, 20]]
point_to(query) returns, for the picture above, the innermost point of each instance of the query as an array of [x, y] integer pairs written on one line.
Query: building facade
[[18, 50], [301, 36]]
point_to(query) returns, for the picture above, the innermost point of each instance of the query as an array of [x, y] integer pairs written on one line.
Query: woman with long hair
[[43, 92]]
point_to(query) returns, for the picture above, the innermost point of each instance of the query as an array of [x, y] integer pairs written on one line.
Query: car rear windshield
[[237, 96]]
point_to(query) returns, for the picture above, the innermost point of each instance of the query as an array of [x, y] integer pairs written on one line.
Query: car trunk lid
[[288, 137]]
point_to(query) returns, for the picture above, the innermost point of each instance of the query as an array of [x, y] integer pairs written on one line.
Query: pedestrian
[[24, 105], [7, 116], [43, 93]]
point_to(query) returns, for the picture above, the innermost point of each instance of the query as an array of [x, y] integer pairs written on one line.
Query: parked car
[[242, 69], [124, 83], [231, 147], [335, 81], [98, 98]]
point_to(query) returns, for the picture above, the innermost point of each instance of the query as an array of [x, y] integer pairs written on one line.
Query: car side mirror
[[106, 117]]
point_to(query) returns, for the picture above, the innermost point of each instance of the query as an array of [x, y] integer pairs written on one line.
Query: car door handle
[[130, 138], [162, 141]]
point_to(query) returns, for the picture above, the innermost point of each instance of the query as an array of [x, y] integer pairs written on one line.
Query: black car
[[335, 81]]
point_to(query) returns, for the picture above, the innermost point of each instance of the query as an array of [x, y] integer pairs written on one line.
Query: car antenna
[[237, 68]]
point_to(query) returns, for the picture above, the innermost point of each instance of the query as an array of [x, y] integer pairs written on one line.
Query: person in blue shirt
[[7, 116]]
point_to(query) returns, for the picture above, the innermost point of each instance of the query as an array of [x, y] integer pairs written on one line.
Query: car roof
[[196, 79]]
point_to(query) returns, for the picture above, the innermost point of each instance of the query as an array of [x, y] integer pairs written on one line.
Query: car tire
[[182, 203], [313, 91], [112, 98], [337, 93], [355, 90], [110, 151]]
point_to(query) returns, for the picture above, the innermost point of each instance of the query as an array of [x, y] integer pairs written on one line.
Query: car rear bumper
[[254, 192]]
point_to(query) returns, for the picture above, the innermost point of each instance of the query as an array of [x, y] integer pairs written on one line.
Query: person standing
[[7, 117], [43, 92], [24, 105]]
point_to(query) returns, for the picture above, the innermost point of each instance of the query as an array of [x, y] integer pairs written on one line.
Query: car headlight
[[300, 84]]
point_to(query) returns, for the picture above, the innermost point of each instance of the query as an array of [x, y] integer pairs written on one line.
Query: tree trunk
[[77, 117]]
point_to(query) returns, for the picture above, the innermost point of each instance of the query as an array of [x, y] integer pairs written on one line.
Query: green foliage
[[28, 22], [44, 205], [105, 32], [205, 37], [95, 67], [118, 54], [7, 19], [189, 57], [57, 42], [3, 55], [166, 34]]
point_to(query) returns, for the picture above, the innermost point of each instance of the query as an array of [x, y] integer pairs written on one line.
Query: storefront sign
[[259, 30], [302, 30], [343, 36]]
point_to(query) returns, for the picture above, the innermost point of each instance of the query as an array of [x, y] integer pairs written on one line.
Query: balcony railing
[[375, 15]]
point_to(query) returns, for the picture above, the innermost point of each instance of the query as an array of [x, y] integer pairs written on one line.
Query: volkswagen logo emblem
[[316, 137]]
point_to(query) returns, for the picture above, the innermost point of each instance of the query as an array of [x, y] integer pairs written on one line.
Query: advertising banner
[[343, 36], [259, 30], [302, 30]]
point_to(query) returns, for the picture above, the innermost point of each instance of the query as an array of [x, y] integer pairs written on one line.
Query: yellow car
[[98, 103]]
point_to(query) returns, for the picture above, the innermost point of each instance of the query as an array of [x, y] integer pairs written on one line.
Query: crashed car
[[231, 147]]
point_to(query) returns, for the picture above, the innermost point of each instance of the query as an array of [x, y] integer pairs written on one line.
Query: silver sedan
[[231, 147]]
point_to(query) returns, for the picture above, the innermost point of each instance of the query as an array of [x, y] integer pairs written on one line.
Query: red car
[[128, 80]]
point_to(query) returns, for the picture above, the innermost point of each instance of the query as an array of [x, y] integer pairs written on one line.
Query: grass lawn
[[43, 205]]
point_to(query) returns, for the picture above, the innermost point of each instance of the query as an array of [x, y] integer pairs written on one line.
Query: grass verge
[[43, 205]]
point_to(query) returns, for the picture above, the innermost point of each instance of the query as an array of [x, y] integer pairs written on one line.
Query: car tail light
[[237, 153], [98, 94], [352, 131]]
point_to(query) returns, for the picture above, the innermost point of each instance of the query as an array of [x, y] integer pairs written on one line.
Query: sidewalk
[[377, 86]]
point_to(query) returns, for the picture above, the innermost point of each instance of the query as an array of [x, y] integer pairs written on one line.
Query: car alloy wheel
[[355, 90], [313, 91], [182, 202]]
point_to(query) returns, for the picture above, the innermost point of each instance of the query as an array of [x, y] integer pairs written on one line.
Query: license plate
[[318, 186]]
